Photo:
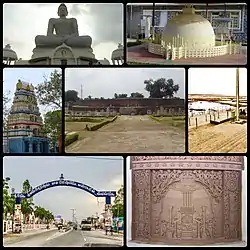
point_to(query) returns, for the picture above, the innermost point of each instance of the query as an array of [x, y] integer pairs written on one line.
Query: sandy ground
[[137, 134], [223, 138]]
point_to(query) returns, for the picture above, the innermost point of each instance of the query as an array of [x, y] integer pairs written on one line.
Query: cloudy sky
[[101, 173], [129, 204], [105, 82], [31, 75], [216, 81], [23, 22]]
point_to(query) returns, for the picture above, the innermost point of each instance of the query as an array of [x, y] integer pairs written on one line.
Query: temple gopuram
[[187, 199], [24, 130]]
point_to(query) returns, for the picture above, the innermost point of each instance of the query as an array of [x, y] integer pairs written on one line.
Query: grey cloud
[[77, 9], [108, 24]]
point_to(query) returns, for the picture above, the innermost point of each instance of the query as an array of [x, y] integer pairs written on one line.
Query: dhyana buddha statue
[[66, 31]]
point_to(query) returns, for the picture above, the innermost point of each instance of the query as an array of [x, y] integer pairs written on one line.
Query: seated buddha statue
[[66, 31]]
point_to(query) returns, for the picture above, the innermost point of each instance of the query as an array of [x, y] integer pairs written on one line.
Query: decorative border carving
[[238, 159], [188, 163], [141, 203]]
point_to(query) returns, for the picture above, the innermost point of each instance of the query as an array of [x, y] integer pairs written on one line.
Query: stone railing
[[182, 52], [156, 49]]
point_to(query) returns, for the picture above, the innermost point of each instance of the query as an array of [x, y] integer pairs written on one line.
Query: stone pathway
[[135, 134]]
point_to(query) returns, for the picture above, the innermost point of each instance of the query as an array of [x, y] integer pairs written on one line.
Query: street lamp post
[[153, 22], [237, 93]]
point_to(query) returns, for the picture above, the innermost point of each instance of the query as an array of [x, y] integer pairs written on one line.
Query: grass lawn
[[176, 121]]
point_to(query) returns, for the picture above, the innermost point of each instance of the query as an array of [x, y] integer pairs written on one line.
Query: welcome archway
[[68, 183]]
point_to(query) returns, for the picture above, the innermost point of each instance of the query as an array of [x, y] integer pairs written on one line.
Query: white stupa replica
[[191, 35], [62, 46]]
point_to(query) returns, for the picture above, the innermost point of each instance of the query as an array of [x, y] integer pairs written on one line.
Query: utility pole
[[81, 91], [73, 214], [153, 22], [237, 93]]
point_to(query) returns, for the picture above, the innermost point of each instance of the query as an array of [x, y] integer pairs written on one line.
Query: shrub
[[85, 119], [71, 138], [156, 118], [131, 44], [242, 116], [99, 125]]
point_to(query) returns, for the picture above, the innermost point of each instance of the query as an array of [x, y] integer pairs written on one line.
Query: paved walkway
[[132, 134]]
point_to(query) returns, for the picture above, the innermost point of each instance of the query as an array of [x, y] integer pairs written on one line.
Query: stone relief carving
[[162, 179], [195, 158], [186, 205], [232, 204], [141, 204]]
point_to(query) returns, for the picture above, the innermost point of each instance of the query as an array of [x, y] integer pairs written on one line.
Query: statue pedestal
[[63, 54]]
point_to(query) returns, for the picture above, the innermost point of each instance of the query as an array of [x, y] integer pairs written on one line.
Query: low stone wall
[[204, 119]]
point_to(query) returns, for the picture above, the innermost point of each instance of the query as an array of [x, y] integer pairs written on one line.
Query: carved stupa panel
[[186, 206]]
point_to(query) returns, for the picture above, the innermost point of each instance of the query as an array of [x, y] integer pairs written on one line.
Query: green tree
[[120, 96], [26, 203], [161, 88], [71, 96], [118, 206], [43, 215], [8, 199], [6, 107], [49, 93], [136, 95], [53, 125]]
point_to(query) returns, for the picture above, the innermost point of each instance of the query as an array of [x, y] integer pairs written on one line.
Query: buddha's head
[[62, 10]]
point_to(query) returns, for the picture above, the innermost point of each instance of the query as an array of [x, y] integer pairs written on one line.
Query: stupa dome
[[196, 31], [9, 53], [186, 199]]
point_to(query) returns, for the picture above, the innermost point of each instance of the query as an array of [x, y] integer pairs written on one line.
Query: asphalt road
[[72, 238]]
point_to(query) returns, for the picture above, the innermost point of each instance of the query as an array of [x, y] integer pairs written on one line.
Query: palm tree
[[26, 203], [118, 206]]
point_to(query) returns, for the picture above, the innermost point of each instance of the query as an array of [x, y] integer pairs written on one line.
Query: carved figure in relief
[[186, 212]]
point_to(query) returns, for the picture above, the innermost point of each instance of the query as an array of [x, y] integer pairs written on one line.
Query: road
[[135, 134], [72, 238]]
